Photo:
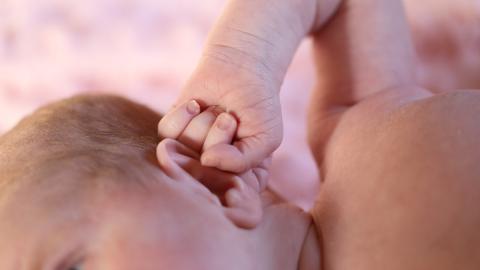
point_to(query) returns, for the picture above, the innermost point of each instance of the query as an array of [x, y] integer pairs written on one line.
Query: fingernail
[[217, 110], [193, 107], [224, 121]]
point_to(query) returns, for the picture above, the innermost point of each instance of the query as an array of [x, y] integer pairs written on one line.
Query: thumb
[[243, 155]]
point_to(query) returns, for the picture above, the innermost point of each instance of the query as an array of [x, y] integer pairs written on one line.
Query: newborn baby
[[81, 188], [83, 184]]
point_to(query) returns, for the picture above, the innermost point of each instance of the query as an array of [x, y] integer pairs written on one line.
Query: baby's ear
[[240, 202], [171, 154]]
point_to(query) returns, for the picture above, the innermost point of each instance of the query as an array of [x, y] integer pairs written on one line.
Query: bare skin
[[242, 68], [398, 162], [399, 166], [102, 202]]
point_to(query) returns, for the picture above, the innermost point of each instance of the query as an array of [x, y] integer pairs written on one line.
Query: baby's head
[[81, 187]]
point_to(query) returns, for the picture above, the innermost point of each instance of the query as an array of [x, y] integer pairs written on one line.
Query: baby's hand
[[242, 70], [201, 130]]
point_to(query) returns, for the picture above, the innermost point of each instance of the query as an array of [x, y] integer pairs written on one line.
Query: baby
[[87, 184], [398, 163], [81, 188]]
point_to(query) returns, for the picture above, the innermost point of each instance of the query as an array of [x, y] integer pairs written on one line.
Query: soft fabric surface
[[146, 49]]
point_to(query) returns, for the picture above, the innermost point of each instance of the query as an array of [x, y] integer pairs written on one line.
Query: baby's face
[[174, 224]]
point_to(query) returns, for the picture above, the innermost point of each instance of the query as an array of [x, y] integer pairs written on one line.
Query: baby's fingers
[[243, 155], [222, 132], [197, 130], [175, 122]]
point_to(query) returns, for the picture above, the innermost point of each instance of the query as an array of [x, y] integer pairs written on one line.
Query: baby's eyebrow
[[67, 259], [57, 245], [44, 225]]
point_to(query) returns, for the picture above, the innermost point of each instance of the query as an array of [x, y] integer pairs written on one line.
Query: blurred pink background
[[146, 49]]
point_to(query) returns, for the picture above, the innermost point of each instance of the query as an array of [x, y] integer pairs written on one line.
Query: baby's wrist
[[241, 74], [254, 41]]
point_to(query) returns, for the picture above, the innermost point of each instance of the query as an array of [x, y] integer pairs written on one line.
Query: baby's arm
[[242, 69], [364, 54], [399, 166]]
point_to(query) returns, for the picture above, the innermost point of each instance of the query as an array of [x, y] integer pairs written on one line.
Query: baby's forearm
[[258, 38], [242, 69]]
